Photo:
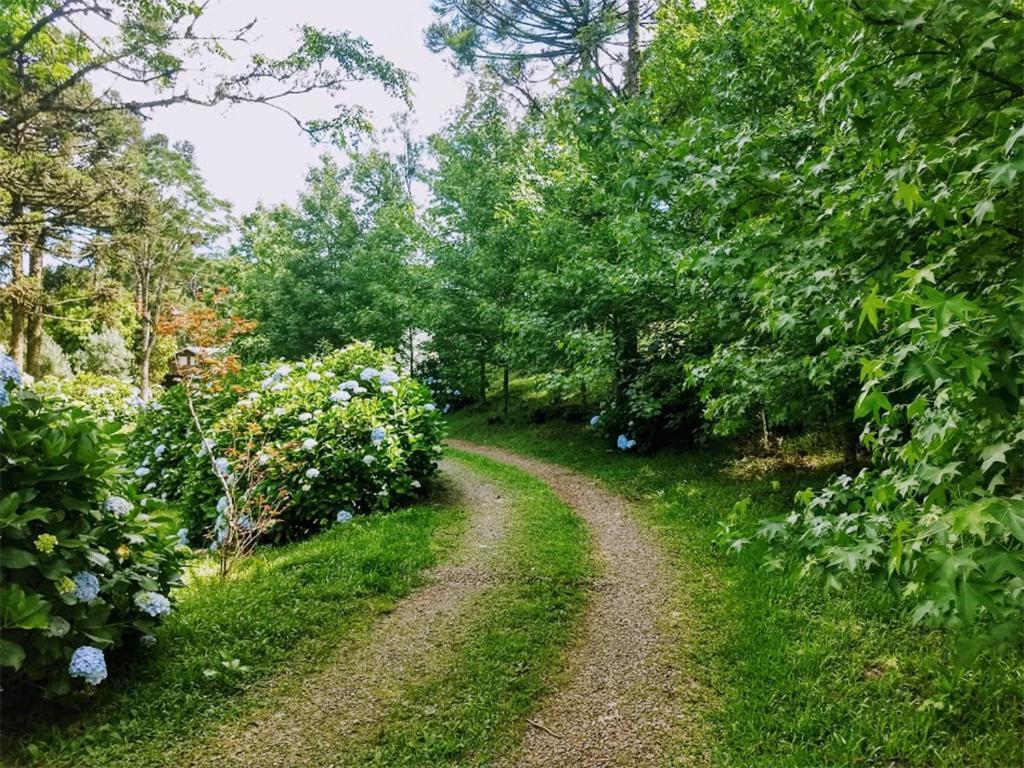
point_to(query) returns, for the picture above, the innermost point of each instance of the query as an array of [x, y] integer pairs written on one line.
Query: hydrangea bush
[[86, 564], [343, 432], [105, 397]]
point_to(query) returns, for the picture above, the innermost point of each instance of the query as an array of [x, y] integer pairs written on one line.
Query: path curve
[[619, 705], [353, 690]]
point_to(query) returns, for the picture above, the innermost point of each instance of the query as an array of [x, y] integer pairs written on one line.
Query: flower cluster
[[152, 603], [88, 663], [345, 431], [87, 586], [9, 374]]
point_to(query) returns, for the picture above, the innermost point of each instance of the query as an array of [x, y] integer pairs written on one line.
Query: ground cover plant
[[800, 676]]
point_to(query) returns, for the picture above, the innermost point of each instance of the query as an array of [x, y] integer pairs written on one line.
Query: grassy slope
[[800, 679], [280, 612], [471, 713]]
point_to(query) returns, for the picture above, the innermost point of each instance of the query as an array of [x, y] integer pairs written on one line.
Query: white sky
[[252, 153]]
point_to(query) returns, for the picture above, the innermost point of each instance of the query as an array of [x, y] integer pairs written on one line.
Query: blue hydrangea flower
[[8, 369], [118, 505], [351, 384], [368, 459], [222, 465], [87, 586], [160, 450], [595, 420], [312, 473], [304, 417], [8, 373], [183, 537], [245, 523], [429, 407], [387, 376], [369, 373], [207, 445], [340, 396], [152, 603], [343, 516], [88, 663], [309, 444], [377, 435], [624, 443], [222, 505], [313, 376], [142, 471], [447, 408]]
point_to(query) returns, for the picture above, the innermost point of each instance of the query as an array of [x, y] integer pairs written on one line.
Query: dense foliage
[[808, 217], [340, 435], [86, 565]]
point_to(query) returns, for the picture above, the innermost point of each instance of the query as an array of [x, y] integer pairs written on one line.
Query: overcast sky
[[251, 153]]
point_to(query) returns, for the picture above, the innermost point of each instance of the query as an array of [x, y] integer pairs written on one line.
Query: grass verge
[[800, 678], [279, 613], [471, 712]]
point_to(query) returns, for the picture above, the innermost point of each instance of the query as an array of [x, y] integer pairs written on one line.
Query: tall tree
[[523, 41], [50, 51]]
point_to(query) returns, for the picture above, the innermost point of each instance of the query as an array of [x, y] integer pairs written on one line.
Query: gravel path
[[619, 705], [354, 690]]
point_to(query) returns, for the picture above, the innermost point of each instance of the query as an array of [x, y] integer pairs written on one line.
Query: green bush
[[87, 565], [105, 397], [338, 434]]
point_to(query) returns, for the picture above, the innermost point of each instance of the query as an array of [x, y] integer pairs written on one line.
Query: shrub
[[339, 434], [105, 397], [104, 353], [54, 361], [86, 564]]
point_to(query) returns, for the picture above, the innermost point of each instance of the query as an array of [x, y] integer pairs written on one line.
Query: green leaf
[[11, 654], [994, 454], [11, 557]]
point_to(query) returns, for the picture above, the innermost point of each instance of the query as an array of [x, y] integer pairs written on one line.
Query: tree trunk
[[765, 437], [504, 390], [632, 47], [412, 351], [627, 352], [34, 310], [483, 380], [851, 447], [145, 353], [14, 290]]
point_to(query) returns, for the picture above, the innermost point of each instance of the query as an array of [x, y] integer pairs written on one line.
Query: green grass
[[797, 677], [279, 613], [471, 712]]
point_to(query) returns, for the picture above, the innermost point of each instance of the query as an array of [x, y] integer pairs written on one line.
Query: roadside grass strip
[[278, 616], [474, 712]]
